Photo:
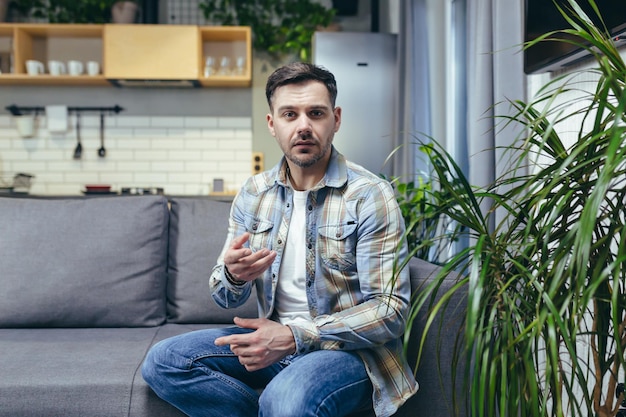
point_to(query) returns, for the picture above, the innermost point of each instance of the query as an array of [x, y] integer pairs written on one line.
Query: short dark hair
[[299, 72]]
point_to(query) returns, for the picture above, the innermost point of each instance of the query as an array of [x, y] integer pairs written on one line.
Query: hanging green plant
[[66, 11], [279, 27]]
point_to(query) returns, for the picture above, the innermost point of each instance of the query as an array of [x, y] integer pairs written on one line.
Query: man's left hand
[[269, 343]]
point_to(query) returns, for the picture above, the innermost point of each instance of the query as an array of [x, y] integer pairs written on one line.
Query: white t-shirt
[[291, 299]]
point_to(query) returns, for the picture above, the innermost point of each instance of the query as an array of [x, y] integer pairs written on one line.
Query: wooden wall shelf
[[125, 52]]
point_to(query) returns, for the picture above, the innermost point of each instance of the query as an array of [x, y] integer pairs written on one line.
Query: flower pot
[[124, 12]]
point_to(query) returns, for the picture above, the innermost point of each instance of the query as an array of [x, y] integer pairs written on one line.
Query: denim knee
[[284, 403], [159, 363]]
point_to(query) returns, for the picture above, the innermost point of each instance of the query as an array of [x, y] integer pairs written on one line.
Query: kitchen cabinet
[[127, 52], [43, 42]]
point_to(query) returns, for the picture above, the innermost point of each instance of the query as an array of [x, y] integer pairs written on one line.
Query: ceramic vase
[[124, 12]]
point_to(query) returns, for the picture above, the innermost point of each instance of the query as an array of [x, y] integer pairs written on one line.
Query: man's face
[[304, 123]]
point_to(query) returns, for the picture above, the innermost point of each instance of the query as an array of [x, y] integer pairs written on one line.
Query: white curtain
[[491, 62], [413, 120], [494, 75]]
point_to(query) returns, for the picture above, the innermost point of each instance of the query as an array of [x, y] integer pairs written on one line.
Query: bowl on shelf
[[97, 189]]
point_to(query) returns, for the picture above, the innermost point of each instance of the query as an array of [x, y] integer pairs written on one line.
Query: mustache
[[304, 137]]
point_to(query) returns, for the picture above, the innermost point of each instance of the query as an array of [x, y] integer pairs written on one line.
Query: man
[[318, 237]]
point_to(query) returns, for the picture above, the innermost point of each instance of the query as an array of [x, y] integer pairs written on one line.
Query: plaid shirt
[[354, 230]]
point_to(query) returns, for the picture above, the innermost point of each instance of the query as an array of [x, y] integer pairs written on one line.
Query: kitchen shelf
[[44, 42], [124, 52], [47, 79], [231, 42]]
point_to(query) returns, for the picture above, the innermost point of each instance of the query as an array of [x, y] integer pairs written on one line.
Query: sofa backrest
[[92, 262], [198, 228]]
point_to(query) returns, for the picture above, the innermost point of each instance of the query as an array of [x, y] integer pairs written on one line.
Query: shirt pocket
[[337, 245], [260, 233]]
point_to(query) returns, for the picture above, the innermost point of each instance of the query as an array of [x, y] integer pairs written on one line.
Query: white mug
[[93, 68], [56, 67], [34, 67], [25, 125], [75, 67]]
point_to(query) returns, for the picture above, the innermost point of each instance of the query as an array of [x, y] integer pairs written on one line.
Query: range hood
[[156, 83], [152, 55]]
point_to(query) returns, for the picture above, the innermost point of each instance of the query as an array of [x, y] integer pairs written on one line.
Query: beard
[[306, 160]]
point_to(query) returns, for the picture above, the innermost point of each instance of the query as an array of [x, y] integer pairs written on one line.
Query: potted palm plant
[[545, 323]]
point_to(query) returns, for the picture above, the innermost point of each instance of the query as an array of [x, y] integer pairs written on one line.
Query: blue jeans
[[202, 379]]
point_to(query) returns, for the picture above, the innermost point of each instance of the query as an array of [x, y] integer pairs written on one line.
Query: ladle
[[78, 151], [102, 152]]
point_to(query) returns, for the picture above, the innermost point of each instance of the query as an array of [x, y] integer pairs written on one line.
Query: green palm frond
[[545, 325]]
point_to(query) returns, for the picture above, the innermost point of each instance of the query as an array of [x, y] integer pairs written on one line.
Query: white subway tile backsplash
[[134, 143], [134, 166], [167, 122], [5, 120], [14, 155], [185, 155], [218, 134], [235, 122], [150, 179], [185, 177], [233, 166], [132, 121], [168, 166], [235, 144], [200, 144], [219, 155], [149, 132], [181, 154], [201, 122], [243, 134], [117, 177], [82, 177], [202, 166], [151, 155], [60, 189]]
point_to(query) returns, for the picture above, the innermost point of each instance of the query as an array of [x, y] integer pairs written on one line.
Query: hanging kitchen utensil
[[78, 151], [102, 152]]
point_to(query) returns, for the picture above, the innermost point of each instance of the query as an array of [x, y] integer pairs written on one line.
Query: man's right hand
[[243, 264]]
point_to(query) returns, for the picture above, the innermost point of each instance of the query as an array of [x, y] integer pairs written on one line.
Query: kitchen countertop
[[219, 197]]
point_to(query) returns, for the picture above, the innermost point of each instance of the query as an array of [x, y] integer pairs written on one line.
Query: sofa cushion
[[198, 228], [71, 372], [94, 262]]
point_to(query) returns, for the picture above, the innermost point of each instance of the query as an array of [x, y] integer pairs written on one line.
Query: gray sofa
[[87, 285]]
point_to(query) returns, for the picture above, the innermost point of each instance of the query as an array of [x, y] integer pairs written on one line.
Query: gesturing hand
[[269, 343], [243, 264]]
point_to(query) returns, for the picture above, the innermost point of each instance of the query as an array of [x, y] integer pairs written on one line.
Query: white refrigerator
[[364, 65]]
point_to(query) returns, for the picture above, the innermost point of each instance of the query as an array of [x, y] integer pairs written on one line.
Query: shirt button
[[341, 345], [310, 246], [308, 284], [255, 226], [310, 208], [280, 242]]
